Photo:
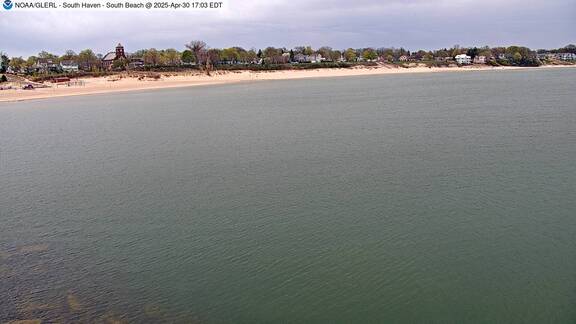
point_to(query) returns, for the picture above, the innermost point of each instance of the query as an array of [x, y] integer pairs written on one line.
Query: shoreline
[[124, 83]]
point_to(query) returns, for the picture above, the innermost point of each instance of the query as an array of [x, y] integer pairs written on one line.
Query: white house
[[69, 66], [480, 59], [463, 59], [566, 56], [314, 58]]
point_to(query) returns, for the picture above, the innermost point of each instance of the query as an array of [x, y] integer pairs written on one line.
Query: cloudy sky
[[413, 24]]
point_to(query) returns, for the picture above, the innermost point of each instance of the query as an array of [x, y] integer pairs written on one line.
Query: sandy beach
[[125, 82]]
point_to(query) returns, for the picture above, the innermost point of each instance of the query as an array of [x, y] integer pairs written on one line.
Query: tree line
[[198, 53]]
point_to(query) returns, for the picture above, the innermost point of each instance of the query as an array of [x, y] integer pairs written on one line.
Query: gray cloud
[[412, 24]]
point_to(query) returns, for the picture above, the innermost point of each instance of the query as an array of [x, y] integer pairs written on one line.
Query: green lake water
[[424, 198]]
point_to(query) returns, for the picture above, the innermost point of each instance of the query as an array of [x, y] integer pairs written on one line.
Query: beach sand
[[124, 82]]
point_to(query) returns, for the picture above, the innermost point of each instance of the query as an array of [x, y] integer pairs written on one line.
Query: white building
[[314, 58], [69, 66], [463, 59], [566, 56], [480, 59]]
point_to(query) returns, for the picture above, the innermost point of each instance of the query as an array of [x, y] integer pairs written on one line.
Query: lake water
[[430, 198]]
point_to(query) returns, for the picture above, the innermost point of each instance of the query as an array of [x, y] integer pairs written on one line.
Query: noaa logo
[[7, 4]]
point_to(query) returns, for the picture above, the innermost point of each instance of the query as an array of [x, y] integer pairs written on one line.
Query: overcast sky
[[413, 24]]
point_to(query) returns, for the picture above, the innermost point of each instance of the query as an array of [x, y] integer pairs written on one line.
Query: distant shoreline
[[126, 83]]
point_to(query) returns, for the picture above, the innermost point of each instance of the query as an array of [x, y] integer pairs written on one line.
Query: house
[[566, 56], [46, 65], [463, 59], [403, 58], [314, 58], [300, 58], [69, 66], [135, 62], [479, 59], [109, 59], [443, 58]]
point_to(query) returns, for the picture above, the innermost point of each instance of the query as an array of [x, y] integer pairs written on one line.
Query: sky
[[412, 24]]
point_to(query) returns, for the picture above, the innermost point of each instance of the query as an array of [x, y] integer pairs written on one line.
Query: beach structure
[[403, 58], [109, 59], [463, 59]]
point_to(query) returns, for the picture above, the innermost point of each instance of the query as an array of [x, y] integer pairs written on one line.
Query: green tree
[[171, 56], [473, 52], [326, 52], [152, 57], [69, 55], [369, 54], [88, 60], [187, 56], [350, 55], [335, 55], [49, 56], [4, 62], [250, 56], [120, 64], [230, 54], [30, 62], [17, 64]]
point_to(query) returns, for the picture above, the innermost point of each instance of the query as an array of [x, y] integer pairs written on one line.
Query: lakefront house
[[69, 66], [566, 56], [109, 59], [313, 58], [45, 65], [479, 59], [463, 59]]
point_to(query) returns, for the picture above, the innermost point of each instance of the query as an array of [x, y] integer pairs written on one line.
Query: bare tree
[[197, 47]]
